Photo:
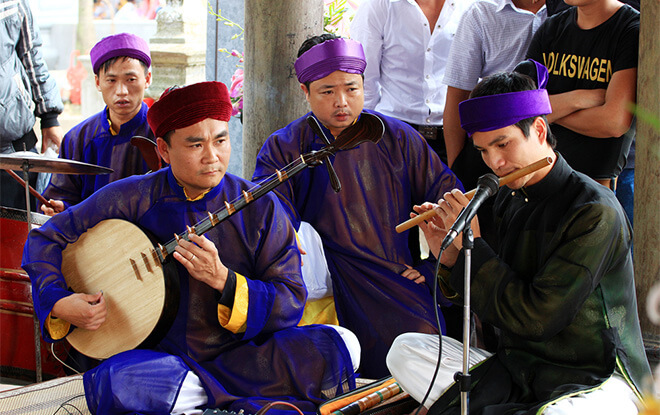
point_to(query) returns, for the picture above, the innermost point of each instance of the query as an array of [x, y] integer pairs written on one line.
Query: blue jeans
[[625, 191]]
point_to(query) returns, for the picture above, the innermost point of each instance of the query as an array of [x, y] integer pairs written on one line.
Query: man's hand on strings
[[200, 258], [86, 311]]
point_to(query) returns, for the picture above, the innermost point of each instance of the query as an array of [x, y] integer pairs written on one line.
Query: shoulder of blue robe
[[91, 142], [68, 187], [281, 148], [138, 125], [424, 165]]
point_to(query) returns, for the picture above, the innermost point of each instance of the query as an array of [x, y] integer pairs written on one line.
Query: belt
[[26, 142], [429, 132]]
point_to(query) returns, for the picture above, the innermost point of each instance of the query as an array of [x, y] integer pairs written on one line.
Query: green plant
[[334, 12], [227, 22], [645, 116]]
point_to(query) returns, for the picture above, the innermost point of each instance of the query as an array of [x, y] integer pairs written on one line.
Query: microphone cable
[[437, 319]]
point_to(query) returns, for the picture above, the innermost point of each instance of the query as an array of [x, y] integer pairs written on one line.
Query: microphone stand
[[464, 379]]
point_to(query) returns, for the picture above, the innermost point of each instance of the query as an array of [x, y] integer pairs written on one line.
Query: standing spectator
[[556, 6], [121, 70], [406, 44], [591, 54], [625, 186], [379, 292], [26, 90], [493, 36]]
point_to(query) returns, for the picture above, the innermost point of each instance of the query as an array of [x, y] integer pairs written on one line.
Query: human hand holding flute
[[428, 214]]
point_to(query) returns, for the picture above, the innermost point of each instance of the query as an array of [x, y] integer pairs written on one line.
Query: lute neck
[[247, 197], [369, 128]]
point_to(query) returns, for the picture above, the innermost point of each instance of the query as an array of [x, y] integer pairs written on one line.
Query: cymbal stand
[[37, 332]]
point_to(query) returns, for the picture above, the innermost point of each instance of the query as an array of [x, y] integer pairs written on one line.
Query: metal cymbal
[[42, 164]]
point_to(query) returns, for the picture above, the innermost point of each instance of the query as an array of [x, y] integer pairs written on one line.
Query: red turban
[[182, 107]]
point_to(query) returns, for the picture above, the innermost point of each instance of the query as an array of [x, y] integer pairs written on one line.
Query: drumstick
[[503, 180], [30, 188]]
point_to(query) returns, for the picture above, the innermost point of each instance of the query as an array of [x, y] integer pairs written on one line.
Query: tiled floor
[[46, 398]]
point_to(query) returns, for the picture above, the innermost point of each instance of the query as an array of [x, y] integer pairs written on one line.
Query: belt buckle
[[427, 131]]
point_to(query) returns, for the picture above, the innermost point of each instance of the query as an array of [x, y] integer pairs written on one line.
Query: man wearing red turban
[[234, 343]]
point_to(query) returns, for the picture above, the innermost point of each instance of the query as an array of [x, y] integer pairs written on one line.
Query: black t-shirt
[[556, 6], [586, 59]]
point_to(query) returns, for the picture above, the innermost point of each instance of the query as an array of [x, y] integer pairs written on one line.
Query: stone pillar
[[221, 66], [647, 172], [272, 95], [91, 100], [85, 28], [178, 49]]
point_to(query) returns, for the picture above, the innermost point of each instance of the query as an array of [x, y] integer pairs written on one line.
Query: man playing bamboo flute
[[560, 290]]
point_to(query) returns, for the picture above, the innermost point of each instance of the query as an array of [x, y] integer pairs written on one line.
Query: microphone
[[487, 186]]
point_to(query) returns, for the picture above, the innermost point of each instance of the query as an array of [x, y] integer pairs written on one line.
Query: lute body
[[140, 291]]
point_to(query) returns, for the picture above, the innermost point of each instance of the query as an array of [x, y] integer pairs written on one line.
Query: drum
[[17, 350]]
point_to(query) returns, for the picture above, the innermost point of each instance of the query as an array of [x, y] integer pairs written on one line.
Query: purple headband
[[332, 55], [492, 112], [122, 44]]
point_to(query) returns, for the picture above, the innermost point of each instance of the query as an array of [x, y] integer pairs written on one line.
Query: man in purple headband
[[560, 290], [121, 65], [380, 287]]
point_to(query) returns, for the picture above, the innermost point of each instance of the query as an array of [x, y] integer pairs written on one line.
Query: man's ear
[[96, 81], [163, 149], [148, 80], [305, 90], [540, 127]]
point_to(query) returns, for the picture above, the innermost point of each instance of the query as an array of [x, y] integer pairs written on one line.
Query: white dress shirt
[[405, 61]]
